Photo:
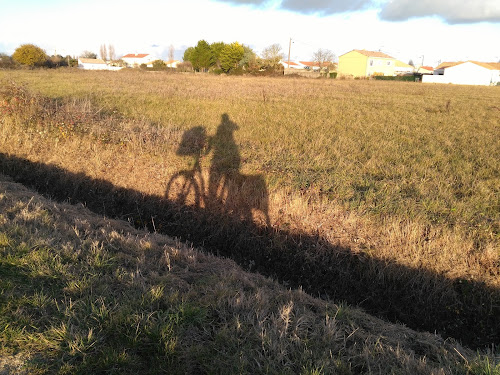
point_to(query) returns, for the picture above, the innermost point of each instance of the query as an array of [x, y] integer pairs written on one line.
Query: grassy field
[[82, 294], [388, 190]]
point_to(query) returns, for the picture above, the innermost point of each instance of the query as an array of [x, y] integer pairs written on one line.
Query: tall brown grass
[[396, 172]]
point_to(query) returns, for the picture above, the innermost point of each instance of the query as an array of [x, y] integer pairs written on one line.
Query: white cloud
[[74, 26], [452, 11]]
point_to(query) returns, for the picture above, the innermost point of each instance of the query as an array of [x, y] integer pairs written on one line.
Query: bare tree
[[111, 52], [272, 53], [88, 55], [324, 58], [171, 52], [104, 52]]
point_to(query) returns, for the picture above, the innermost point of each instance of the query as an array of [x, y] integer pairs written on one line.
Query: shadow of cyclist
[[230, 192]]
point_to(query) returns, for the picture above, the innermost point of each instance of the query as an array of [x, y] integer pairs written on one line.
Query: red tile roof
[[133, 55], [373, 53]]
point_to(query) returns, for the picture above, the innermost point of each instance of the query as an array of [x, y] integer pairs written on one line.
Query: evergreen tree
[[231, 55], [203, 56], [217, 48]]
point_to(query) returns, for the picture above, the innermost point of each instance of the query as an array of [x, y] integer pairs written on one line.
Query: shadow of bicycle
[[227, 193]]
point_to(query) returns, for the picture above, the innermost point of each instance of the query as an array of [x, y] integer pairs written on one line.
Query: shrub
[[31, 55], [159, 65]]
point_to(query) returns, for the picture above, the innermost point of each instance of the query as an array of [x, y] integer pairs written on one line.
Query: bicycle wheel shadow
[[228, 192]]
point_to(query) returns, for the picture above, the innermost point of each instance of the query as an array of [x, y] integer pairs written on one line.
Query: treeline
[[33, 56], [232, 58]]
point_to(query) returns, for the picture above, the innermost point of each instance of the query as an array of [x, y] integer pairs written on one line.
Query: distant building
[[135, 60], [92, 64], [172, 63], [314, 65], [465, 73], [401, 68], [425, 70], [293, 65], [362, 63]]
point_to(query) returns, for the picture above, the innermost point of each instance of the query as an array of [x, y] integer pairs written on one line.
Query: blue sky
[[421, 30]]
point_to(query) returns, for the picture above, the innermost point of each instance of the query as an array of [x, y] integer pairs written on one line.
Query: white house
[[466, 73], [91, 64], [172, 63], [293, 65], [137, 59], [425, 70]]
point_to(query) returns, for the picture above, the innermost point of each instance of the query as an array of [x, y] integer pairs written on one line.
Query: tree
[[88, 55], [271, 57], [249, 59], [30, 54], [71, 61], [203, 57], [56, 61], [171, 52], [217, 48], [230, 56], [324, 57], [272, 54], [5, 61], [111, 52], [188, 54], [103, 52]]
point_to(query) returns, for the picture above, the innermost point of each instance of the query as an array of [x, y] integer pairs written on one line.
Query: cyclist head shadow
[[193, 142]]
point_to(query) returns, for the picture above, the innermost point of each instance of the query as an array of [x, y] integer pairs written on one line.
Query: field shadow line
[[466, 310]]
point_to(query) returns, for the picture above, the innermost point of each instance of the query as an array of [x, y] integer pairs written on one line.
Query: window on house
[[388, 63], [371, 62]]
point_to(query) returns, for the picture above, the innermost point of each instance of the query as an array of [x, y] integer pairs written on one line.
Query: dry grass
[[400, 173], [83, 294]]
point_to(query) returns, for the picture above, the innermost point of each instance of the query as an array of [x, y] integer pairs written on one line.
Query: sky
[[427, 31]]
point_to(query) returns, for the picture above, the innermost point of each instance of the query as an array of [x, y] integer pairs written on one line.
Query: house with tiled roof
[[401, 68], [439, 70], [466, 73], [137, 59], [172, 63], [92, 64], [292, 65], [425, 70], [314, 65], [363, 63]]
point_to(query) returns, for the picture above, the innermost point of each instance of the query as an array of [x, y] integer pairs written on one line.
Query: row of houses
[[362, 63], [130, 60], [356, 63]]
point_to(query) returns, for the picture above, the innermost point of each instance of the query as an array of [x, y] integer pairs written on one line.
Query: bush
[[159, 65], [411, 78], [6, 61], [185, 66], [31, 55]]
